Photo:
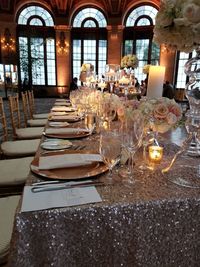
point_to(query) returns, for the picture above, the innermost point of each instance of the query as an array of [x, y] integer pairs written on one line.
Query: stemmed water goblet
[[110, 150]]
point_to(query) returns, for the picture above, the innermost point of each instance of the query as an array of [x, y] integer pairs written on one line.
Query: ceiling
[[61, 7]]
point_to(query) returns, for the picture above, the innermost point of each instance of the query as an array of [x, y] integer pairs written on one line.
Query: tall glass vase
[[184, 168]]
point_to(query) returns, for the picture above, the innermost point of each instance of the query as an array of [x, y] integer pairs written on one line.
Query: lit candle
[[155, 81], [155, 154]]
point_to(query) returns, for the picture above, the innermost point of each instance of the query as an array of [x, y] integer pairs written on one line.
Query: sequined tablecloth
[[151, 223]]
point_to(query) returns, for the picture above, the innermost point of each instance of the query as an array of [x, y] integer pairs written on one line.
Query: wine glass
[[132, 140], [90, 120], [110, 150], [109, 112]]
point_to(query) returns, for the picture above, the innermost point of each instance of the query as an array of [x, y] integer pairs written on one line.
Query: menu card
[[58, 198]]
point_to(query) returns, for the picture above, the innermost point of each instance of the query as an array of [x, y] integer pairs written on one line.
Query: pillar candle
[[155, 81]]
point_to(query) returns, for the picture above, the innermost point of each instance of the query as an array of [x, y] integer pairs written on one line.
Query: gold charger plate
[[72, 173], [80, 134]]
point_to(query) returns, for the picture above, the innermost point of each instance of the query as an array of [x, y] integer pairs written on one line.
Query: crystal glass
[[133, 140], [184, 169], [90, 120], [110, 150]]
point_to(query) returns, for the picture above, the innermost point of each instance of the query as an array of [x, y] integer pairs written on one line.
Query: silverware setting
[[74, 147], [55, 185]]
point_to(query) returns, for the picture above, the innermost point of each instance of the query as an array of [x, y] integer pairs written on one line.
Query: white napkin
[[67, 160], [58, 113], [58, 198], [64, 117], [63, 108], [62, 104], [65, 130]]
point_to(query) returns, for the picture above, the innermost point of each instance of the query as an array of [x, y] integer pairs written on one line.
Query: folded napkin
[[65, 117], [65, 130], [63, 108], [62, 104], [67, 160], [58, 113]]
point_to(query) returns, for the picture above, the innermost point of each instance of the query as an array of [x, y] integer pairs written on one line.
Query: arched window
[[89, 38], [138, 35], [36, 39]]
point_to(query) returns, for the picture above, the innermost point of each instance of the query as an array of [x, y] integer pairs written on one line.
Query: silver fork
[[74, 147]]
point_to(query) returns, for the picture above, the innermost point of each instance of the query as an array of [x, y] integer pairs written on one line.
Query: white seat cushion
[[14, 171], [20, 148], [41, 116], [29, 133], [8, 207], [39, 122]]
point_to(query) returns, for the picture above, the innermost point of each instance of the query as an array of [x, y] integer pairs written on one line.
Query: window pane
[[36, 22], [89, 13], [142, 48], [51, 64], [143, 22], [102, 56], [37, 61], [89, 52], [140, 11], [30, 11], [155, 54], [76, 58], [89, 24], [23, 57], [128, 47]]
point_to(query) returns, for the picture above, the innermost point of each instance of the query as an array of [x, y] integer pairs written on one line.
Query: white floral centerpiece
[[178, 24], [160, 113], [129, 61], [87, 67], [163, 113], [86, 71]]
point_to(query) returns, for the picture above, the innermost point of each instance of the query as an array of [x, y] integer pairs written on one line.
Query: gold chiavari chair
[[32, 108], [18, 132], [19, 148], [8, 206], [27, 113]]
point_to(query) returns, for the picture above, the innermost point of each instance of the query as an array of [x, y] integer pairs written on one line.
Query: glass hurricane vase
[[184, 168]]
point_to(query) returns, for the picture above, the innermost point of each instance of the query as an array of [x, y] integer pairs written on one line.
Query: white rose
[[191, 12], [182, 22], [171, 118]]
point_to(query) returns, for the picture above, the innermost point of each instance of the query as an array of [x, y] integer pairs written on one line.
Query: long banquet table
[[151, 223]]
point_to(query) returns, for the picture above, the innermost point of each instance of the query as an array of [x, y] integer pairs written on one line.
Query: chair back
[[3, 121], [31, 103], [14, 113], [25, 105]]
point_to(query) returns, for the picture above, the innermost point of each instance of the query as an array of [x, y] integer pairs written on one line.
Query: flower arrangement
[[129, 61], [146, 69], [87, 67], [178, 24], [163, 113]]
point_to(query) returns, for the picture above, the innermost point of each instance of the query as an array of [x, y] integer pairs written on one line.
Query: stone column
[[63, 48], [168, 59], [115, 43]]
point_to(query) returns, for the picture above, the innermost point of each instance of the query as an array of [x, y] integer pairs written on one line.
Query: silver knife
[[52, 187]]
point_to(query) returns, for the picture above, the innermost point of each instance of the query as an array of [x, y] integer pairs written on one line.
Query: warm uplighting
[[61, 90], [7, 42], [62, 45]]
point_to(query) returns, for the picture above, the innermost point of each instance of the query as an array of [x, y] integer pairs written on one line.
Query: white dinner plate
[[56, 144]]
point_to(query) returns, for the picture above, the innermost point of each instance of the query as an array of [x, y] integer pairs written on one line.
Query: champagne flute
[[132, 140], [110, 150]]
